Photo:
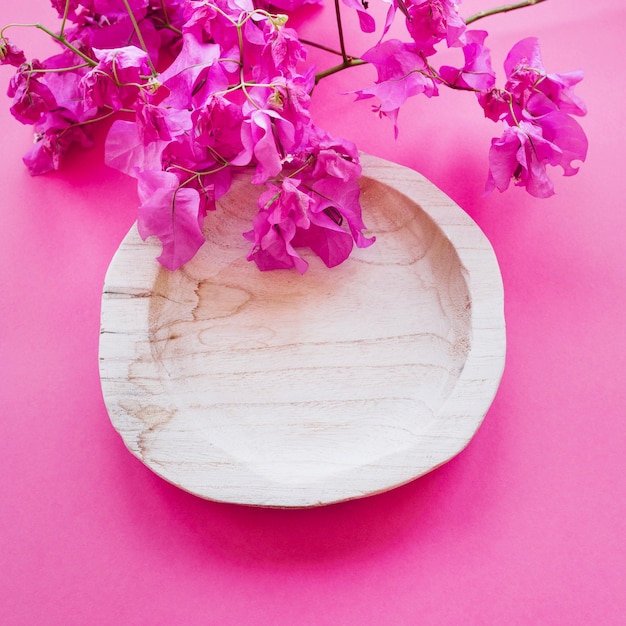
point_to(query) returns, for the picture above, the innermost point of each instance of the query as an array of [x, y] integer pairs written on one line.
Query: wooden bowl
[[276, 389]]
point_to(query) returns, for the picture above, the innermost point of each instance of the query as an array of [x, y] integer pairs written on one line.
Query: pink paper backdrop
[[526, 526]]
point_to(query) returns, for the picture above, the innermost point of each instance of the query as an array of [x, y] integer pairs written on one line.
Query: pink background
[[526, 526]]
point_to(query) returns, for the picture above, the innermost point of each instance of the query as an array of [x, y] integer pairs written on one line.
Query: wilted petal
[[31, 96], [11, 54], [54, 135]]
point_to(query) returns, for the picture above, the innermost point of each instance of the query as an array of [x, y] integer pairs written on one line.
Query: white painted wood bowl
[[275, 389]]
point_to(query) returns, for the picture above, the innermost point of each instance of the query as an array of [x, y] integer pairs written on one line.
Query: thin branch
[[66, 10], [349, 62], [140, 38], [314, 44], [502, 9], [342, 44]]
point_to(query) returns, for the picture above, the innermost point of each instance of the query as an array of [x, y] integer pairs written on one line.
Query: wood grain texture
[[276, 389]]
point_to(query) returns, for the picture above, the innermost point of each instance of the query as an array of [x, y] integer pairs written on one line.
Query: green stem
[[93, 120], [502, 9], [349, 62], [59, 38], [140, 38], [432, 73], [242, 80], [67, 44], [66, 10], [167, 22], [59, 70]]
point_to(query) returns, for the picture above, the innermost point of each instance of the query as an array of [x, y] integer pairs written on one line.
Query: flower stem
[[59, 70], [60, 38], [64, 42], [342, 44], [140, 38], [501, 9], [167, 22], [66, 10], [93, 120]]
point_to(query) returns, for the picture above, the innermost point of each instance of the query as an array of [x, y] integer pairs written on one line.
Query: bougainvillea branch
[[198, 89], [501, 9]]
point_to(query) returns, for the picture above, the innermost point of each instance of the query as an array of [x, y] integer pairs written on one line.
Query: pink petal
[[172, 215], [124, 149]]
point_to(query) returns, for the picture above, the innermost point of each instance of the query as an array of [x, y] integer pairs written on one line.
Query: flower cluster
[[196, 89], [536, 109]]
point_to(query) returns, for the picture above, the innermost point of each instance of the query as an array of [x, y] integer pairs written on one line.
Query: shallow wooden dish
[[277, 389]]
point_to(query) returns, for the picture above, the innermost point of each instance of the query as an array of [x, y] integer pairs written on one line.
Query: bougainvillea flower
[[523, 152], [266, 136], [66, 86], [563, 131], [154, 122], [295, 215], [278, 53], [535, 107], [10, 54], [432, 21], [54, 134], [198, 168], [496, 104], [559, 89], [132, 147], [282, 210], [476, 73], [172, 214], [272, 248], [335, 158], [127, 151], [118, 8], [402, 73], [217, 126], [216, 22], [235, 94], [116, 80], [32, 98], [533, 89], [196, 69], [74, 8], [342, 198], [120, 33]]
